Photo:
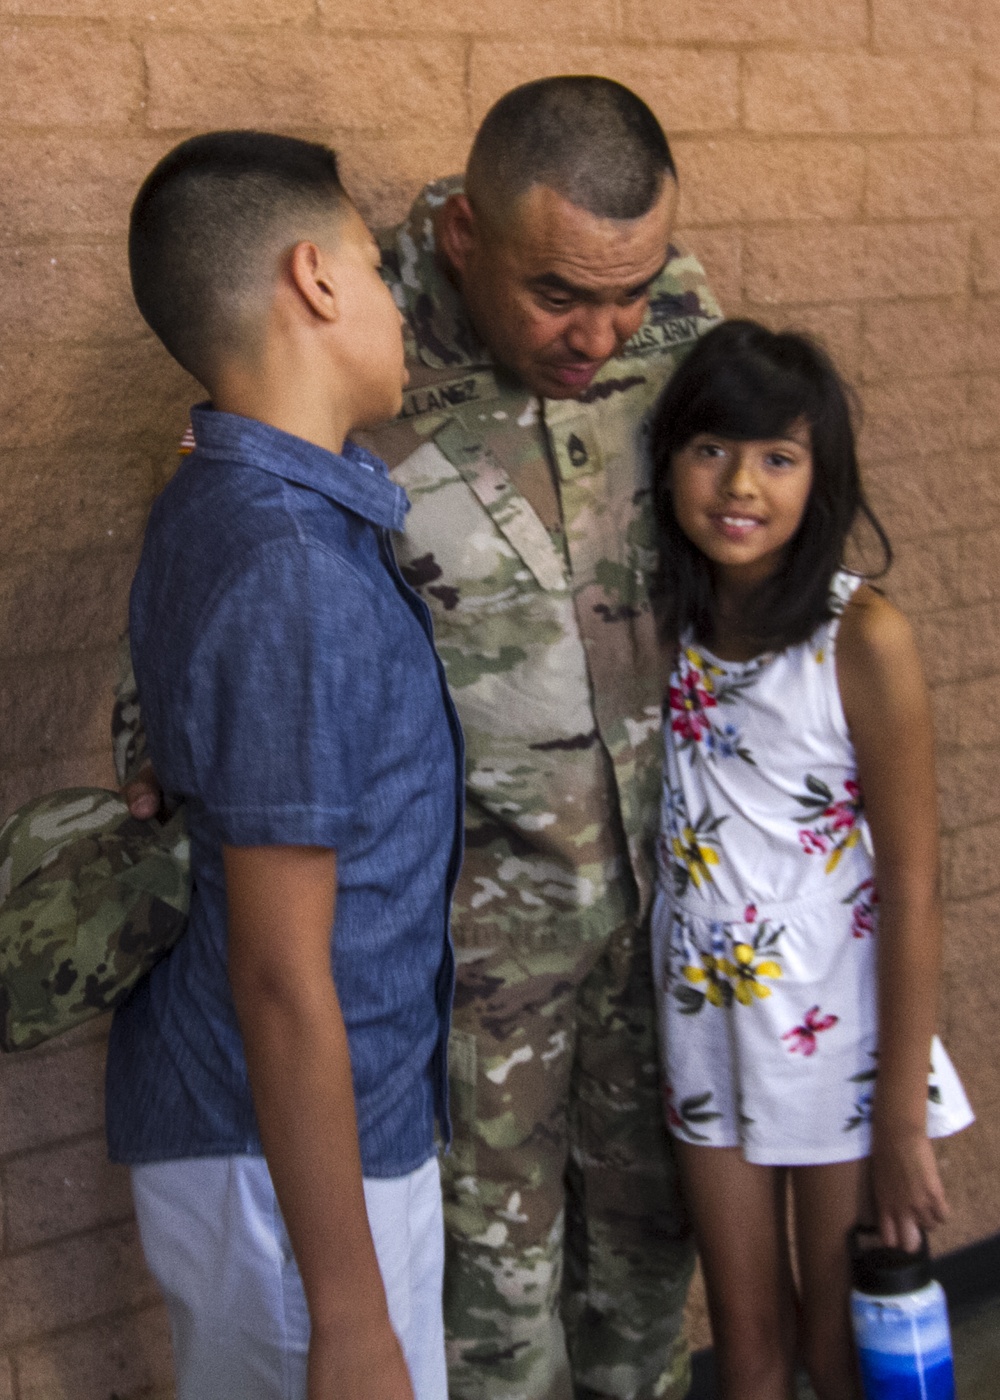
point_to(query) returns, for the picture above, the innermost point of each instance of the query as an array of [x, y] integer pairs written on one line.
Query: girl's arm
[[888, 712]]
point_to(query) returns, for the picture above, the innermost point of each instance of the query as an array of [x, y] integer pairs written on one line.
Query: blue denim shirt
[[292, 696]]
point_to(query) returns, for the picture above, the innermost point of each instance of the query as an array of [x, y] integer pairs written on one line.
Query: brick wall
[[841, 170]]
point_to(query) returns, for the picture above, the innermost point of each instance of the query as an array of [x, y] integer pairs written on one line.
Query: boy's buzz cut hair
[[207, 228], [590, 139]]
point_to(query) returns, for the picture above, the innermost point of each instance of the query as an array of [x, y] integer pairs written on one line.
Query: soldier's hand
[[143, 794]]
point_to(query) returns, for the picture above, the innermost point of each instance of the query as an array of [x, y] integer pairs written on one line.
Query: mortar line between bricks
[[13, 1349], [467, 85], [114, 1222], [953, 904], [968, 827], [73, 1140], [71, 1237]]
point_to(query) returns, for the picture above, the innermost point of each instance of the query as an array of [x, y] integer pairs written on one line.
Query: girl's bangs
[[748, 402]]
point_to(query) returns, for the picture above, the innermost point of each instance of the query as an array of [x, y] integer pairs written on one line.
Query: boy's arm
[[281, 904], [888, 711]]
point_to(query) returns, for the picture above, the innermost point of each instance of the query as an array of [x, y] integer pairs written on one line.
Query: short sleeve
[[276, 698]]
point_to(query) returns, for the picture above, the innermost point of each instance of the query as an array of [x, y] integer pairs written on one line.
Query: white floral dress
[[765, 918]]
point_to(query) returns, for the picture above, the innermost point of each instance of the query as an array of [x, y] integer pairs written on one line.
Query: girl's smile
[[741, 502]]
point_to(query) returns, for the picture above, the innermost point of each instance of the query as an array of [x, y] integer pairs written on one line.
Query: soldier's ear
[[456, 231]]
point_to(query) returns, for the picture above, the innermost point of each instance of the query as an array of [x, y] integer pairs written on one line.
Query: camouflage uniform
[[90, 898], [568, 1252]]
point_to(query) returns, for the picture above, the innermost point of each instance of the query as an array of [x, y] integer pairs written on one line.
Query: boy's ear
[[457, 230], [311, 272]]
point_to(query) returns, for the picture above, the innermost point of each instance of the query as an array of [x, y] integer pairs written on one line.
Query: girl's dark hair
[[745, 382]]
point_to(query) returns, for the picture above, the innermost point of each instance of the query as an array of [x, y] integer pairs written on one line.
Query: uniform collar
[[354, 478]]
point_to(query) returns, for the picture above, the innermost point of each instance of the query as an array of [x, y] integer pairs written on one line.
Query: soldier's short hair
[[590, 139], [206, 230]]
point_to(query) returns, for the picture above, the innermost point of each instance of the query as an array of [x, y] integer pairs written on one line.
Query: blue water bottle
[[900, 1321]]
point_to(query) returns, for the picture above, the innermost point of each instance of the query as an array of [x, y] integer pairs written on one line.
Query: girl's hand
[[909, 1196]]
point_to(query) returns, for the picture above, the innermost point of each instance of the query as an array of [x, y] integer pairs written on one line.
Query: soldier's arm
[[138, 781]]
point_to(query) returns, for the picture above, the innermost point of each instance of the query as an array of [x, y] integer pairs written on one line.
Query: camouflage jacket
[[547, 636]]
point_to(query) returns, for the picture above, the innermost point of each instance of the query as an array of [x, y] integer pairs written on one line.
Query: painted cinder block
[[961, 644], [919, 497], [50, 1094], [968, 712], [73, 1281], [720, 251], [828, 92], [839, 23], [855, 261], [591, 19], [741, 180], [937, 25], [984, 333], [69, 292], [69, 396], [984, 411], [903, 339], [21, 781], [292, 78], [970, 866], [80, 500], [121, 14], [383, 174], [939, 179], [988, 98], [969, 782], [67, 596], [915, 417], [69, 77], [986, 259], [688, 89], [923, 574], [128, 1358], [62, 1190], [72, 185], [54, 707]]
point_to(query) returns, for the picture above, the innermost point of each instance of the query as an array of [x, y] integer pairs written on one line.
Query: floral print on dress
[[832, 825], [737, 966], [688, 849], [693, 1109], [802, 1038], [697, 688], [864, 913], [764, 926], [864, 1104]]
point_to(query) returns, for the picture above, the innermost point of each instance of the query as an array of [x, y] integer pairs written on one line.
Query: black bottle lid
[[885, 1272]]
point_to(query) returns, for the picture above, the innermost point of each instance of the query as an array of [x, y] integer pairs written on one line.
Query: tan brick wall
[[841, 170]]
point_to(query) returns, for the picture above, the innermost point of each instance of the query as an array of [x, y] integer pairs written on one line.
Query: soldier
[[545, 308]]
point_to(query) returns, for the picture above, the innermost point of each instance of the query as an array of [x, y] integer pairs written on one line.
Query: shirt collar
[[436, 322], [354, 478]]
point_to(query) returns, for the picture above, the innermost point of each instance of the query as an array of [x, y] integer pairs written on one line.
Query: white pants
[[216, 1244]]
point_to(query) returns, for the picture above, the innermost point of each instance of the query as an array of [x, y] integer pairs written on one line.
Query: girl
[[796, 1041]]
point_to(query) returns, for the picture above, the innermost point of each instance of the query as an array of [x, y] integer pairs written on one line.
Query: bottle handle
[[857, 1232]]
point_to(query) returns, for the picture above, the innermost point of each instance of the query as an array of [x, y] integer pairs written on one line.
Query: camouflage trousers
[[568, 1251]]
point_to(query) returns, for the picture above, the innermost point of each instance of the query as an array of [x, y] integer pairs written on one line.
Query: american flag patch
[[187, 441]]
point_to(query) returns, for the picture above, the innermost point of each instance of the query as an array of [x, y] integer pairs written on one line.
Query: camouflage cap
[[90, 899]]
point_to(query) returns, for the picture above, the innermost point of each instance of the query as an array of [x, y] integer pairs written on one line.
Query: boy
[[290, 1051]]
